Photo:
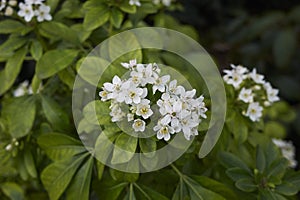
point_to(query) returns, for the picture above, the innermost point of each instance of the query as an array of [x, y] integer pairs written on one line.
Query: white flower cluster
[[156, 2], [287, 149], [32, 8], [179, 110], [6, 7], [253, 90], [23, 89], [14, 143]]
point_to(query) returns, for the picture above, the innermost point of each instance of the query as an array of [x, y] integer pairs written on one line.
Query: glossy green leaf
[[287, 189], [97, 112], [54, 61], [20, 124], [10, 26], [124, 149], [246, 185], [229, 160], [96, 17], [11, 44], [236, 173], [216, 187], [100, 169], [36, 50], [29, 164], [55, 114], [35, 84], [127, 8], [80, 185], [56, 30], [57, 176], [260, 159], [59, 146], [181, 192], [130, 195], [116, 17], [149, 193], [123, 176], [111, 192], [11, 70], [13, 191], [104, 146], [148, 146]]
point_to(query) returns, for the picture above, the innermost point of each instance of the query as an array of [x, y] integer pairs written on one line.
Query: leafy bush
[[45, 154]]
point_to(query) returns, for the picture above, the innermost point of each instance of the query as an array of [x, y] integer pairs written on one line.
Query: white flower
[[188, 124], [132, 94], [287, 150], [12, 2], [21, 90], [135, 2], [160, 83], [164, 2], [257, 78], [254, 111], [235, 76], [9, 147], [130, 117], [143, 109], [26, 11], [246, 95], [145, 74], [8, 11], [36, 2], [43, 13], [163, 131], [114, 89], [2, 4], [130, 65], [116, 112], [104, 95], [272, 93], [138, 125]]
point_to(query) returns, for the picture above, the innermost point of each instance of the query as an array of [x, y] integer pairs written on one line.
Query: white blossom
[[246, 95], [143, 109], [34, 2], [160, 83], [235, 76], [272, 93], [130, 65], [254, 111], [257, 78], [43, 13], [2, 4], [163, 131], [138, 125], [26, 11], [288, 151], [8, 11], [134, 2]]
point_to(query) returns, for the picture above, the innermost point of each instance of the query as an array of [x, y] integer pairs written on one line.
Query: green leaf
[[35, 84], [148, 146], [10, 26], [152, 194], [55, 114], [181, 192], [111, 192], [96, 17], [123, 176], [277, 168], [13, 191], [80, 185], [198, 192], [216, 187], [29, 163], [124, 149], [229, 160], [56, 30], [287, 189], [128, 8], [20, 115], [104, 145], [284, 47], [57, 176], [238, 127], [97, 112], [60, 146], [116, 17], [81, 32], [246, 185], [130, 195], [260, 159], [67, 76], [11, 44], [100, 169], [54, 61], [11, 70], [36, 50], [237, 173]]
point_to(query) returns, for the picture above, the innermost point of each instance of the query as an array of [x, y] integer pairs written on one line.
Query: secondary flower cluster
[[287, 149], [138, 3], [179, 110], [23, 89], [34, 8], [252, 89], [6, 7]]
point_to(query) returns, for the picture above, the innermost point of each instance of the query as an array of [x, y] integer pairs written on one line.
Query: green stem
[[177, 171], [141, 190]]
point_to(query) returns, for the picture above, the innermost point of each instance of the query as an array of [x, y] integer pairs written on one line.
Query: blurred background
[[261, 34]]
